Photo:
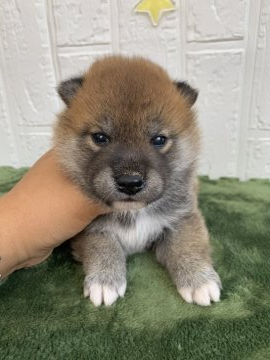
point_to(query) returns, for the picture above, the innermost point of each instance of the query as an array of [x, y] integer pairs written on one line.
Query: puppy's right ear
[[68, 89], [187, 91]]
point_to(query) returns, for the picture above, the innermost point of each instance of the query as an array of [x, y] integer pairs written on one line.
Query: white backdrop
[[221, 46]]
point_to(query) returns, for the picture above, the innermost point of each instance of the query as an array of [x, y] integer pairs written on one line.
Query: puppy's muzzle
[[130, 184]]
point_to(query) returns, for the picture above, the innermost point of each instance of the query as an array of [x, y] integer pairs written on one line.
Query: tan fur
[[159, 97]]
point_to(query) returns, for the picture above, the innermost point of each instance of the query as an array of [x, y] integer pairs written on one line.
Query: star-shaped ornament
[[155, 8]]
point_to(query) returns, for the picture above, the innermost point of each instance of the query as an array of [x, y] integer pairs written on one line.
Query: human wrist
[[12, 247], [43, 210]]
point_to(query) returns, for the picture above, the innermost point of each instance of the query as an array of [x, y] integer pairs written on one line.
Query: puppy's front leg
[[104, 266], [186, 255]]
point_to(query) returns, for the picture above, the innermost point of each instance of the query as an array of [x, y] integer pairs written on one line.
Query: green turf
[[43, 314]]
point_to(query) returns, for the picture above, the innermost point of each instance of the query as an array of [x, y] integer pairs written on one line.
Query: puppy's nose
[[129, 184]]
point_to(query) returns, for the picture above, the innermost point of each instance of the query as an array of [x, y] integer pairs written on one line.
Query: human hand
[[43, 210]]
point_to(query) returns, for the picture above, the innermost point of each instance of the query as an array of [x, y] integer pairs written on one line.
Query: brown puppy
[[129, 138]]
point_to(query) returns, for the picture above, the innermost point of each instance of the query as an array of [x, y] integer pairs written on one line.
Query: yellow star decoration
[[155, 8]]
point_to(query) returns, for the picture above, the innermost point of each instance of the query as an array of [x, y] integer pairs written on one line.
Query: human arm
[[43, 210]]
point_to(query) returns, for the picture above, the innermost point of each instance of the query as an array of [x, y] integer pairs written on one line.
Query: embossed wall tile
[[7, 139], [34, 145], [27, 63], [210, 20], [260, 110], [82, 22], [217, 76], [258, 164], [137, 36], [77, 63]]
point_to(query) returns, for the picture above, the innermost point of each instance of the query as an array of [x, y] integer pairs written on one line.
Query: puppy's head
[[128, 131]]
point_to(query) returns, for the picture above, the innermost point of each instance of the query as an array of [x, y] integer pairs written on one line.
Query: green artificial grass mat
[[43, 314]]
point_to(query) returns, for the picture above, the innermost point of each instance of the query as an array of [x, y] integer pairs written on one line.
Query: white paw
[[201, 296], [99, 293]]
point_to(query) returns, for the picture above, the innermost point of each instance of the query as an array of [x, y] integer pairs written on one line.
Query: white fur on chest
[[142, 231]]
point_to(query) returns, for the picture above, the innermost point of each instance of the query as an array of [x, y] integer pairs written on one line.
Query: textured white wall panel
[[82, 22], [76, 64], [258, 165], [161, 44], [7, 140], [216, 74], [34, 145], [260, 114], [216, 19], [27, 63]]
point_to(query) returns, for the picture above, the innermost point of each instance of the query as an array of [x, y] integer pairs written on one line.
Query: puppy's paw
[[202, 288], [100, 293], [202, 295]]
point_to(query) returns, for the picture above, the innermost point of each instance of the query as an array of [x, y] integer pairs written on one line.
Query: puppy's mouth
[[128, 204]]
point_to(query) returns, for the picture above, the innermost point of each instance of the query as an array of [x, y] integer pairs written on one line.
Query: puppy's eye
[[158, 141], [100, 138]]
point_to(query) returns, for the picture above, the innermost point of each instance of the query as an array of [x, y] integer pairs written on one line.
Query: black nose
[[130, 184]]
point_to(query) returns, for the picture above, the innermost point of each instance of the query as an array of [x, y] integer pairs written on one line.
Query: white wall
[[221, 46]]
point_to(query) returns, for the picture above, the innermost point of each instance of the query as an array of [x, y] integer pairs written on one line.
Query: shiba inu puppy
[[129, 138]]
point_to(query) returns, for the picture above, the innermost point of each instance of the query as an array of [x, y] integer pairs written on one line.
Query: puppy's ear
[[68, 89], [187, 91]]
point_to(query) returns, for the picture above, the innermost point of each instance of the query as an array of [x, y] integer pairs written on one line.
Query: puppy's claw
[[201, 296], [99, 293], [109, 295], [214, 291], [186, 294], [86, 291], [122, 289], [96, 294]]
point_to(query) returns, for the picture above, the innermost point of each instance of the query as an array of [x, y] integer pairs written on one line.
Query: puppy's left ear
[[187, 91], [68, 89]]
